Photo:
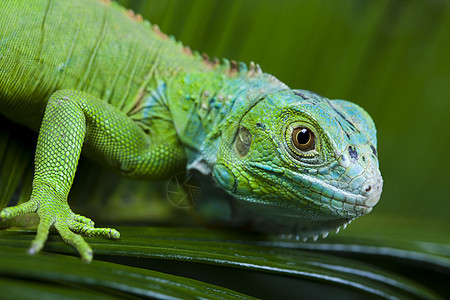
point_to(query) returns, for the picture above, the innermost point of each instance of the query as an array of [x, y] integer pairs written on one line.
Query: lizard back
[[92, 46]]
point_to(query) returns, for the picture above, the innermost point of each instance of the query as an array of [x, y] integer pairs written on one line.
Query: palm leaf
[[391, 57], [217, 248]]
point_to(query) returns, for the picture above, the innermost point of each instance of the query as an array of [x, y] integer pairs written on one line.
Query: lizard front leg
[[74, 120]]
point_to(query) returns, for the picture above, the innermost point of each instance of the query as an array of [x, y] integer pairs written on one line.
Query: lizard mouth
[[354, 203], [311, 198]]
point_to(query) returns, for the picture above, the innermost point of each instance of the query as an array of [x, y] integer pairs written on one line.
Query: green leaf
[[109, 277], [23, 289], [252, 252]]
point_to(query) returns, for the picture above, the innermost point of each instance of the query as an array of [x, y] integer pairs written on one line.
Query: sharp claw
[[114, 234], [324, 234], [32, 251], [35, 248], [87, 257], [4, 214]]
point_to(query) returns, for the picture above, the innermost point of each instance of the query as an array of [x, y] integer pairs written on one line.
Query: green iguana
[[95, 79]]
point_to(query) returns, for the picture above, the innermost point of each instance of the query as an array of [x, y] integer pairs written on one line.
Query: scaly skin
[[96, 80]]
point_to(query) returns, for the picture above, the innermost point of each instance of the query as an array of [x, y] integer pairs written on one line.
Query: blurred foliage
[[390, 57]]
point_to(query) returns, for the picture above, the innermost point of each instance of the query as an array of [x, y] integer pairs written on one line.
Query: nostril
[[368, 188]]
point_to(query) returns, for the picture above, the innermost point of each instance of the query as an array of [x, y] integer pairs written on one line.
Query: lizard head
[[300, 160]]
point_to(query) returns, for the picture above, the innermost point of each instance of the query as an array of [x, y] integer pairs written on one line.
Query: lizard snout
[[372, 190]]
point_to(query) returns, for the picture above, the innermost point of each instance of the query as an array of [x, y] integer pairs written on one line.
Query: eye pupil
[[303, 136], [303, 139]]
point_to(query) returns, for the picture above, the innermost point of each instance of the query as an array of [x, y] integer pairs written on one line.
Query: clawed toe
[[18, 210], [66, 222], [109, 233], [83, 220]]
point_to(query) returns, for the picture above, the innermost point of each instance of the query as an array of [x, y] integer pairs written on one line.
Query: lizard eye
[[303, 139]]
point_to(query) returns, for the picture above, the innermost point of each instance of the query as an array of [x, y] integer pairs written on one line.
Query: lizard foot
[[66, 223]]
